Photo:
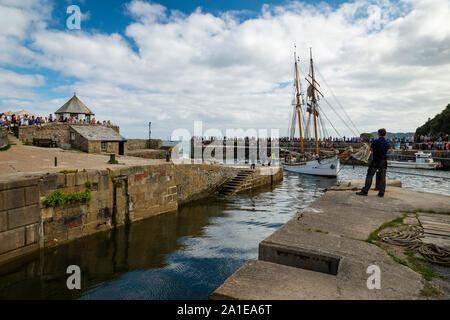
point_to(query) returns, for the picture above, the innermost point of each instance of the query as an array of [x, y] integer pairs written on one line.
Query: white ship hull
[[413, 165], [326, 167]]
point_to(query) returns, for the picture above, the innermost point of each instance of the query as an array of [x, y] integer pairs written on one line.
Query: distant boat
[[422, 161]]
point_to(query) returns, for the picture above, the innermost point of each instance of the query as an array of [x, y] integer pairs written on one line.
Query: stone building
[[97, 139], [74, 108]]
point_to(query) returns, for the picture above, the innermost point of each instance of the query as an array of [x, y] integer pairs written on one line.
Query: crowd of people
[[420, 143], [12, 121]]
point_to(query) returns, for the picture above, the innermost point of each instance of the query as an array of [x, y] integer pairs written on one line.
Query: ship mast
[[314, 101], [298, 102]]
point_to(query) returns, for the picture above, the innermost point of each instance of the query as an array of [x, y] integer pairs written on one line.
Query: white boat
[[325, 167], [423, 161]]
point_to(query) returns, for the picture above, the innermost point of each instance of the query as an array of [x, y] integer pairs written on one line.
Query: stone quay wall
[[19, 217], [3, 137], [119, 196], [57, 131], [139, 144], [148, 154]]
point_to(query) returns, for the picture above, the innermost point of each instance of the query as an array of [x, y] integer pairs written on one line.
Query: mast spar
[[314, 101], [298, 107]]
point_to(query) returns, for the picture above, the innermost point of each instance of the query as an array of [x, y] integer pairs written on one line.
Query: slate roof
[[74, 105], [97, 133]]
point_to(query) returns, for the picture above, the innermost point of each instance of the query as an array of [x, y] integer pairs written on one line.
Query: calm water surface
[[181, 255]]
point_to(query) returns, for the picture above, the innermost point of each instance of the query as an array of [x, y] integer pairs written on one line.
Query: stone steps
[[233, 186]]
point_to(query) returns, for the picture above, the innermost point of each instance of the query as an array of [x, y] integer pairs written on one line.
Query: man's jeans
[[381, 176]]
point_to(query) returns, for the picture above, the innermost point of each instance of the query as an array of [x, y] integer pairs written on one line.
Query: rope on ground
[[434, 254], [411, 239]]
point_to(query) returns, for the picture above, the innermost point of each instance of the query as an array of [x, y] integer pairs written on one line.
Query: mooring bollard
[[56, 161]]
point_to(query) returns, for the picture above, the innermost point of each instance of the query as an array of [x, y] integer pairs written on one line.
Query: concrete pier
[[322, 252]]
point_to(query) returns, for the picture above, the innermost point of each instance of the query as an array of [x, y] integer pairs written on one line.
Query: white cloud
[[17, 86], [382, 59]]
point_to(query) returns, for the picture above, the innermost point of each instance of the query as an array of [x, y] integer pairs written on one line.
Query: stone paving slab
[[262, 280]]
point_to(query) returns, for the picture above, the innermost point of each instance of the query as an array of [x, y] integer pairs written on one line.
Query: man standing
[[379, 162]]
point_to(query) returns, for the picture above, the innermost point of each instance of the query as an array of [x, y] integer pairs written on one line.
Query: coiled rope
[[411, 239]]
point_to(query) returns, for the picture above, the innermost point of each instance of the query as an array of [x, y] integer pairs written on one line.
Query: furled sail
[[309, 91], [363, 154]]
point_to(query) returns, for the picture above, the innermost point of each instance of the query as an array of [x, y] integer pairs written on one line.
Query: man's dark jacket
[[380, 148]]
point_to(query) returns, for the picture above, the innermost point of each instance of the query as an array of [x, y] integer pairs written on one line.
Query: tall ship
[[308, 113]]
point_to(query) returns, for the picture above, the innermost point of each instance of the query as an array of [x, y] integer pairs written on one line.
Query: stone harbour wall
[[57, 131], [139, 144], [19, 217], [148, 154], [3, 137], [119, 196]]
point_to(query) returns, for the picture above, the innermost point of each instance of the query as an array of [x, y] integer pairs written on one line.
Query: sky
[[227, 63]]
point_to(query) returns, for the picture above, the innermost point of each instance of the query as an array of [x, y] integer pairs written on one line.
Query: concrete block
[[23, 216], [13, 198], [32, 234], [31, 195], [298, 257], [12, 239]]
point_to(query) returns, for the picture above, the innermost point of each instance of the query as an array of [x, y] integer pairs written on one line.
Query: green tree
[[439, 125], [366, 136]]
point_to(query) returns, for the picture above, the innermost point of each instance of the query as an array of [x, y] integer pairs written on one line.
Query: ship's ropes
[[354, 132], [335, 98], [411, 239], [434, 254]]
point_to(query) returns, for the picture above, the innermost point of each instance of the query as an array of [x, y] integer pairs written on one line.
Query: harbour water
[[185, 254]]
